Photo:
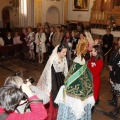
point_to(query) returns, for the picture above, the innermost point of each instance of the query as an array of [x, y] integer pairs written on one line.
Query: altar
[[102, 32]]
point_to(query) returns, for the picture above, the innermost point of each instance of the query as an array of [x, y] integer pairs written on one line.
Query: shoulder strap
[[3, 116], [27, 105], [17, 110]]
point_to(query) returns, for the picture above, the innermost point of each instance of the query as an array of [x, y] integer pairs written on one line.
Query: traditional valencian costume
[[52, 79], [75, 98]]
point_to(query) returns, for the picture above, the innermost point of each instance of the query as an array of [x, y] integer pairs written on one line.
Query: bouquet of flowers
[[111, 23]]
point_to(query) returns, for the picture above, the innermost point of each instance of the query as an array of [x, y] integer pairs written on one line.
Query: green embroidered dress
[[78, 82], [75, 98]]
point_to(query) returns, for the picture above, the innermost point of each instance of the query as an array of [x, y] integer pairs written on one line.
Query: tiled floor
[[28, 69]]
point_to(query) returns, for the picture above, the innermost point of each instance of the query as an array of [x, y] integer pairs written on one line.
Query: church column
[[30, 11], [65, 10], [16, 16], [37, 12], [23, 13]]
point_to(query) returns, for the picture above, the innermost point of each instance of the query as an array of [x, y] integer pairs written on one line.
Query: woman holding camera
[[11, 96], [18, 81]]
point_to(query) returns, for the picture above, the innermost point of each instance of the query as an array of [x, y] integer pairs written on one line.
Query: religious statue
[[82, 4]]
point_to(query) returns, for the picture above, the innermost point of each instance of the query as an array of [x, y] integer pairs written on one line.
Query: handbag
[[3, 116]]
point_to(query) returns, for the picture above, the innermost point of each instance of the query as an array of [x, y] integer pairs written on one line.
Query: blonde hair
[[82, 46], [76, 33]]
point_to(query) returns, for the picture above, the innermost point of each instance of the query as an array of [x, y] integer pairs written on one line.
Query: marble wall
[[37, 11]]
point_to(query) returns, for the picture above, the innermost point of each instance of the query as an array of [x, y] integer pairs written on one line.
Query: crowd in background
[[67, 43]]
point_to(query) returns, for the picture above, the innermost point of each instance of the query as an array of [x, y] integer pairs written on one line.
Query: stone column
[[37, 12], [30, 13], [23, 13], [65, 11]]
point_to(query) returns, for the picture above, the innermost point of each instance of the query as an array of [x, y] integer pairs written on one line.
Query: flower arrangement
[[111, 23]]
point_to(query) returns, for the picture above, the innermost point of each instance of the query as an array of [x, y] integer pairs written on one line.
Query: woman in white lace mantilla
[[53, 76]]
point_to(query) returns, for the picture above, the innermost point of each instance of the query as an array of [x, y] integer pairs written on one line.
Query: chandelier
[[14, 3]]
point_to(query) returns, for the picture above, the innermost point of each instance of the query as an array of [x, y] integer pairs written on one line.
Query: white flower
[[119, 63], [93, 64]]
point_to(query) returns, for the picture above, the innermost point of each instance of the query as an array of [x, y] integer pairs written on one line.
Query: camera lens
[[31, 80]]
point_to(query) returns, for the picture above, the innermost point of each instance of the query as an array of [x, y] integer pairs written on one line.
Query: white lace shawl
[[44, 82]]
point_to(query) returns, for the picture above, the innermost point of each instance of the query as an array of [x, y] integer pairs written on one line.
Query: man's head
[[108, 31]]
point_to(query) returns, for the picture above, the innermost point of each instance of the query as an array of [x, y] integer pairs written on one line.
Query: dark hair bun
[[61, 47]]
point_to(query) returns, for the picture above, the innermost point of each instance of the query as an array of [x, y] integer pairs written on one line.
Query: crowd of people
[[70, 82]]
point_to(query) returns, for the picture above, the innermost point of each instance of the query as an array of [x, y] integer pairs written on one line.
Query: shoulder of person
[[79, 60], [111, 35]]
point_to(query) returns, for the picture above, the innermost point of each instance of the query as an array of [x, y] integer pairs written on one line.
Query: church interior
[[99, 15]]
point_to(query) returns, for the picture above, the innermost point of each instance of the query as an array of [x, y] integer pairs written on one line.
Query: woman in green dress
[[75, 98]]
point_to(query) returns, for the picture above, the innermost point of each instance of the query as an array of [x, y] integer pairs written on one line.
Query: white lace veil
[[44, 82], [55, 51]]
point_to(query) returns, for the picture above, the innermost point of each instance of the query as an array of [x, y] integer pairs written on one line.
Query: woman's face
[[63, 52], [94, 52], [81, 36], [29, 30], [51, 29], [24, 30], [57, 30], [119, 42], [46, 30], [16, 35], [72, 33], [8, 34], [41, 30], [67, 35]]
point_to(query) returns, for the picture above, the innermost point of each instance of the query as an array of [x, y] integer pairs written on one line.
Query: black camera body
[[31, 80]]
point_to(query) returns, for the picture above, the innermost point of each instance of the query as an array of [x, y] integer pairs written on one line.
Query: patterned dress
[[115, 73], [75, 98], [51, 80]]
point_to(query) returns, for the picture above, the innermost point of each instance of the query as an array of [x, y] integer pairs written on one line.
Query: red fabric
[[38, 112], [52, 112], [96, 70], [65, 39]]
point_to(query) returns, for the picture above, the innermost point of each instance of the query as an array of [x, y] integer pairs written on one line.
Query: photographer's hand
[[26, 89]]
